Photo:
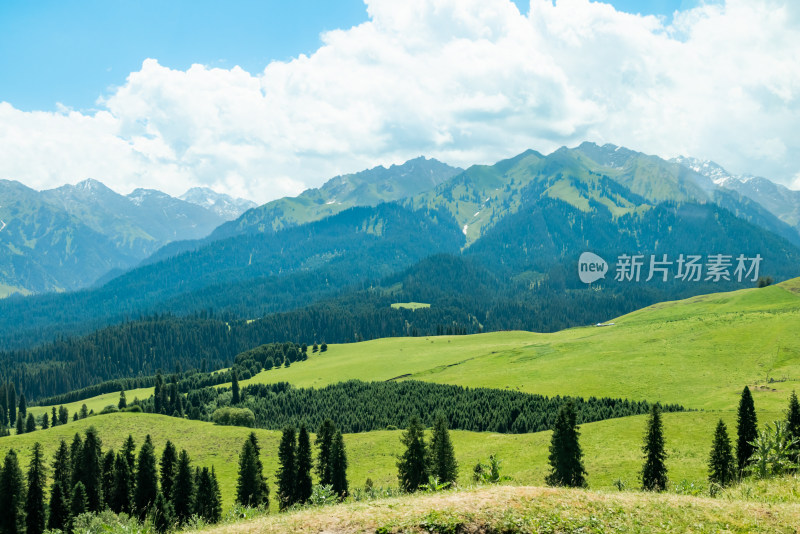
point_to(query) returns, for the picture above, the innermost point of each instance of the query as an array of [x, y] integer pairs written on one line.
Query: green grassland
[[97, 403], [410, 305], [698, 352], [531, 509], [612, 448]]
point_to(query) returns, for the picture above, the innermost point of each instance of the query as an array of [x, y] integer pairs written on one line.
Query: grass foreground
[[512, 509]]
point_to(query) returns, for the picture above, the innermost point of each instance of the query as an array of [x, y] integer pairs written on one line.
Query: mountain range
[[69, 237], [491, 247]]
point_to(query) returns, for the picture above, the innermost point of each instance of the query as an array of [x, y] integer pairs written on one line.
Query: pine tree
[[339, 466], [23, 406], [63, 415], [793, 425], [183, 493], [287, 469], [129, 453], [235, 399], [721, 465], [12, 495], [325, 441], [90, 470], [566, 456], [35, 520], [108, 477], [412, 465], [3, 406], [251, 488], [74, 459], [443, 459], [30, 422], [654, 472], [123, 402], [12, 404], [120, 498], [59, 508], [62, 469], [158, 390], [78, 504], [303, 488], [162, 514], [146, 488], [208, 503], [747, 429], [169, 458]]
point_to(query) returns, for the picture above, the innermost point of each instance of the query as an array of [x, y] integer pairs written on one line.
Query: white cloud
[[466, 81]]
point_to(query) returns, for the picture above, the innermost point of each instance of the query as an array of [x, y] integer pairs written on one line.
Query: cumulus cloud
[[466, 81]]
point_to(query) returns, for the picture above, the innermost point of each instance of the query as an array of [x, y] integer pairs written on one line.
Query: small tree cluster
[[422, 464]]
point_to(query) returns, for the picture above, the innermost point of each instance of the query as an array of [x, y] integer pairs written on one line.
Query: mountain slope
[[365, 188], [66, 238], [225, 206], [781, 201]]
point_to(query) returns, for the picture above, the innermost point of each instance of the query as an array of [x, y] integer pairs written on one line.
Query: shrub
[[234, 417]]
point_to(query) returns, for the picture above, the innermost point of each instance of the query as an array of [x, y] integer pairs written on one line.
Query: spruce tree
[[251, 488], [12, 495], [747, 429], [59, 508], [207, 503], [78, 504], [120, 498], [123, 402], [54, 417], [63, 415], [339, 466], [793, 425], [721, 465], [146, 488], [215, 501], [12, 404], [566, 456], [23, 406], [157, 397], [412, 466], [35, 520], [90, 470], [129, 453], [303, 488], [62, 469], [235, 399], [45, 421], [20, 425], [108, 477], [287, 469], [169, 459], [654, 472], [324, 442], [3, 406], [183, 493], [30, 423], [443, 458], [74, 460], [162, 514]]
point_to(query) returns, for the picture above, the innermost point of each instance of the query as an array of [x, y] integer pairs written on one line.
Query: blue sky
[[152, 99], [72, 52]]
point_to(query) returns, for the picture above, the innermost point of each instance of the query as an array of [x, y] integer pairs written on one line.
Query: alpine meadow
[[443, 266]]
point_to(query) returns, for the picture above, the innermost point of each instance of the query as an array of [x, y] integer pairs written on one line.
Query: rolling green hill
[[612, 448], [698, 352]]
